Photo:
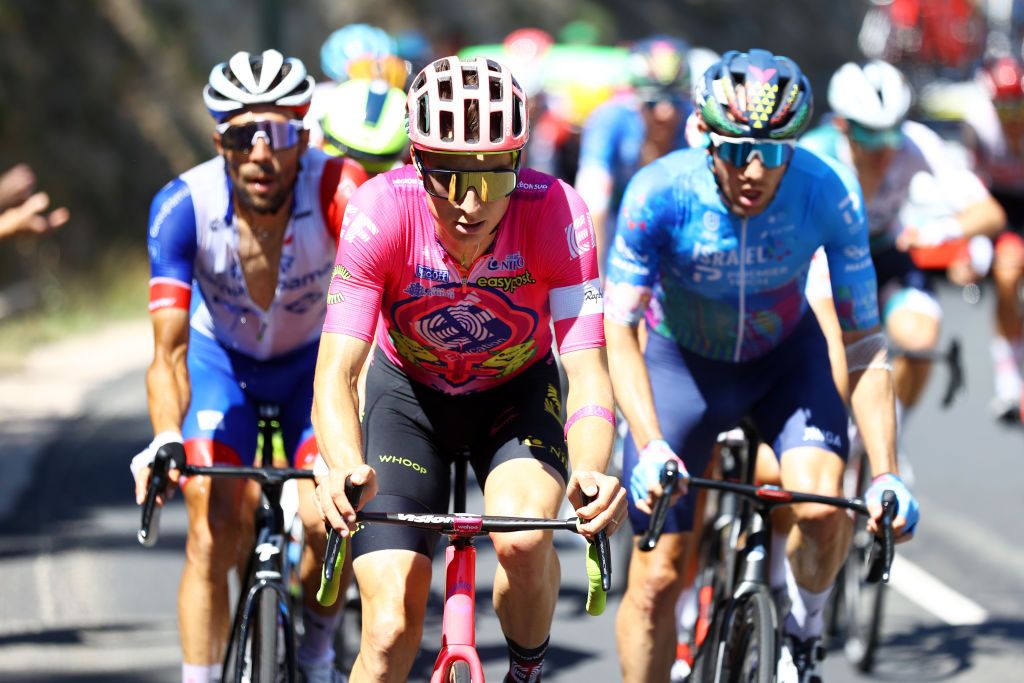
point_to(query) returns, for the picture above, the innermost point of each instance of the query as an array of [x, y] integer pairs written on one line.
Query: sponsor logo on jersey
[[513, 261], [429, 273], [209, 420], [335, 298], [506, 283], [712, 221], [315, 277], [855, 252], [305, 303], [342, 272], [165, 210], [580, 236], [357, 225], [532, 187], [417, 290]]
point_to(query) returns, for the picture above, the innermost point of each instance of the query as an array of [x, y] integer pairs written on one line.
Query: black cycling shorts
[[411, 434]]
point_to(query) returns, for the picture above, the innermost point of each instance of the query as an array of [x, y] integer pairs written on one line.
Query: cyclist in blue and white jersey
[[242, 250], [633, 129], [722, 238], [870, 135]]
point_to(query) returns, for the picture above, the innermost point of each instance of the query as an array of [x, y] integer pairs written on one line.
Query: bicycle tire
[[459, 672], [863, 606], [265, 638], [747, 651]]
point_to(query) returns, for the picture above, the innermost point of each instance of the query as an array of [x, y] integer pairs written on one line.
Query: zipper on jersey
[[743, 290]]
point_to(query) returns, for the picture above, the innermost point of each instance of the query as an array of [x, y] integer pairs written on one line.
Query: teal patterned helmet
[[755, 95]]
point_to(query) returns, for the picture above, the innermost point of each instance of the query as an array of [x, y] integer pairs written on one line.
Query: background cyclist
[[870, 134], [254, 228], [468, 260], [364, 120], [633, 129], [721, 238]]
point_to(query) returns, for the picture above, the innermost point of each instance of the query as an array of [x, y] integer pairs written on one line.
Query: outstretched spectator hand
[[21, 207]]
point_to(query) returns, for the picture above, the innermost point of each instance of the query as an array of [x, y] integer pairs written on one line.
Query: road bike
[[458, 660], [741, 634], [261, 648]]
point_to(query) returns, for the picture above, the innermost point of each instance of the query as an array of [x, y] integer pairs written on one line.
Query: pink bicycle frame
[[458, 630]]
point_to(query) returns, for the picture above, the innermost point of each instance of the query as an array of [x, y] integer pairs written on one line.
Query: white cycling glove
[[647, 471], [146, 456]]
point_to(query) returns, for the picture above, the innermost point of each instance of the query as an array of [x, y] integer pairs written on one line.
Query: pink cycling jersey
[[464, 330]]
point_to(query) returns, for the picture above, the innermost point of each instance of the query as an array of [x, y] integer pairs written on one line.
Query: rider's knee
[[656, 586], [523, 552], [389, 631], [913, 330], [820, 520]]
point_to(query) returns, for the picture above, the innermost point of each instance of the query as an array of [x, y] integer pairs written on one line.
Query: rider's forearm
[[167, 390], [873, 402], [591, 437], [631, 382], [336, 415], [985, 217]]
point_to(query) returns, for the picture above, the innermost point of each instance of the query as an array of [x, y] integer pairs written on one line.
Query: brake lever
[[883, 549], [669, 475], [604, 552], [334, 540]]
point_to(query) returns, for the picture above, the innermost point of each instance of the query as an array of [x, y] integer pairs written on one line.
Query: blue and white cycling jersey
[[611, 142], [728, 287], [193, 238]]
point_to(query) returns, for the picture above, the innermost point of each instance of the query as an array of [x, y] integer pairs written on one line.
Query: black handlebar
[[883, 550]]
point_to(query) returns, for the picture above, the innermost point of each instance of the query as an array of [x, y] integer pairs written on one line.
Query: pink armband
[[589, 411]]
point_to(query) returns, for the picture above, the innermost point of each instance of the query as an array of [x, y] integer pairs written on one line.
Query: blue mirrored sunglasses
[[875, 138], [741, 151]]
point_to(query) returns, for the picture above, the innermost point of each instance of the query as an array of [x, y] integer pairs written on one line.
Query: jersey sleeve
[[839, 209], [595, 177], [366, 252], [575, 298], [957, 185], [635, 252], [338, 183], [172, 247]]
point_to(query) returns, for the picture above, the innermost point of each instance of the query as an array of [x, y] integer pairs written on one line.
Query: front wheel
[[266, 637], [864, 605], [747, 651], [459, 673]]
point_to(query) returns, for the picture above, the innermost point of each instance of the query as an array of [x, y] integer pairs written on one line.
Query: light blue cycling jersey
[[732, 288], [611, 141]]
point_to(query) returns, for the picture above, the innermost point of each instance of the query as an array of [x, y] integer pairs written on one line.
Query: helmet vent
[[447, 123], [471, 111], [470, 77], [496, 121], [444, 89], [420, 81], [442, 65], [423, 116], [495, 89], [518, 119]]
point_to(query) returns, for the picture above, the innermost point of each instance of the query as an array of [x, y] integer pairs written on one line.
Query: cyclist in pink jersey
[[462, 262]]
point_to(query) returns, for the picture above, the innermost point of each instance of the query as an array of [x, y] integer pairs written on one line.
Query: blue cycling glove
[[647, 471], [906, 503]]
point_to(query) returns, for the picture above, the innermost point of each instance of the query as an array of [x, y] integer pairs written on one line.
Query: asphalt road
[[81, 601]]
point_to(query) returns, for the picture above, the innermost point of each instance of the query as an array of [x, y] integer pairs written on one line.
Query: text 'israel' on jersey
[[193, 238], [730, 287], [464, 330]]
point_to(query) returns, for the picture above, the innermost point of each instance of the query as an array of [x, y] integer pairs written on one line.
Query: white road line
[[929, 593]]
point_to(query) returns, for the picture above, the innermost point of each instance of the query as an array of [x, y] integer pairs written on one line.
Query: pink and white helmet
[[467, 105]]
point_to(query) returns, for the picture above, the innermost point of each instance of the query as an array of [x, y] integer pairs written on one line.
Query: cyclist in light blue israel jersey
[[713, 246], [730, 287]]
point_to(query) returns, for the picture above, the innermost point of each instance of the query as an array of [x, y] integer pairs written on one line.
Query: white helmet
[[875, 95], [247, 80]]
